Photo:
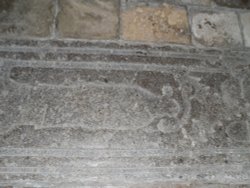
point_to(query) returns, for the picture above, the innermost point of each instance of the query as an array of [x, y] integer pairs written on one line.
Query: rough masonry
[[129, 93], [212, 23]]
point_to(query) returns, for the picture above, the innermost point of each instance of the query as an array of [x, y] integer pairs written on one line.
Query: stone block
[[130, 104], [233, 3], [197, 2], [213, 29], [99, 114], [161, 23], [26, 18], [96, 19], [245, 20]]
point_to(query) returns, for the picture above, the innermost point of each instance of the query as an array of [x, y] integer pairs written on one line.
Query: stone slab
[[97, 19], [245, 17], [127, 103], [116, 159], [128, 115], [216, 29], [26, 18], [162, 23], [197, 2], [244, 4], [187, 185]]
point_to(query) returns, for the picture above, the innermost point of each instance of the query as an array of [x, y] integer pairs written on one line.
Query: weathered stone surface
[[187, 185], [245, 17], [164, 23], [86, 114], [216, 29], [128, 111], [120, 159], [127, 103], [197, 2], [234, 3], [97, 19], [26, 18], [92, 57]]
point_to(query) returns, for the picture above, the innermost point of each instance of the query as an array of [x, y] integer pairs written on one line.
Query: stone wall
[[124, 94], [209, 23]]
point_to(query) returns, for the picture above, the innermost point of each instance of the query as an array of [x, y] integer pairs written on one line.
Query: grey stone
[[124, 107], [245, 4], [26, 18], [197, 2], [245, 17], [186, 185], [238, 131], [219, 29], [127, 103], [97, 19], [98, 114]]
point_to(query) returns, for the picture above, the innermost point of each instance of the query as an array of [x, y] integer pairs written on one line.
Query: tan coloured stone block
[[26, 18], [164, 23], [88, 19]]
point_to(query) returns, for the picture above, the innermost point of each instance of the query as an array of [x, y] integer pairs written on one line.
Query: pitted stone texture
[[245, 4], [123, 106], [187, 185], [197, 2], [245, 17], [127, 107], [111, 158], [97, 19], [216, 29], [164, 23], [123, 119], [238, 131], [80, 56], [26, 18]]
